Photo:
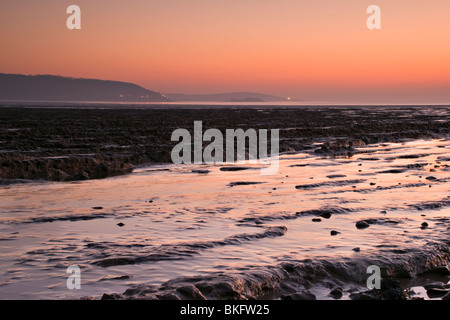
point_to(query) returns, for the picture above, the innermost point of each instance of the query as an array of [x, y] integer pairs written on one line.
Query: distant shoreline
[[191, 104]]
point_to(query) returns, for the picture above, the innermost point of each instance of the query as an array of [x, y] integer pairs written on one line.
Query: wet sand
[[210, 232]]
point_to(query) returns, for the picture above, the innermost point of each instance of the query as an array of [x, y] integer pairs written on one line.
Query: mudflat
[[64, 143]]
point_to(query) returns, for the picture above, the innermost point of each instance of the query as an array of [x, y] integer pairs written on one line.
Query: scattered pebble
[[424, 225], [336, 293], [362, 224], [97, 208], [121, 224], [326, 215], [334, 232], [201, 171], [357, 249], [316, 219]]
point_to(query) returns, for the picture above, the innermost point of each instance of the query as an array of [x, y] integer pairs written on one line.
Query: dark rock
[[441, 270], [112, 296], [393, 294], [289, 267], [168, 296], [120, 224], [140, 290], [234, 168], [336, 293], [243, 183], [326, 215], [372, 183], [362, 224], [424, 225], [57, 175], [413, 156], [81, 176], [191, 292], [436, 292], [333, 176], [97, 208], [305, 295], [389, 284], [226, 291], [200, 171], [357, 249], [393, 171], [390, 290], [364, 296], [431, 178], [316, 219], [334, 232]]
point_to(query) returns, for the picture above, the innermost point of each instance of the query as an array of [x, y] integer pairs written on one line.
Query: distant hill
[[57, 88], [225, 97]]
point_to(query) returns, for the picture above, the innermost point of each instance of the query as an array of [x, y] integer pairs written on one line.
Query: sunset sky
[[312, 50]]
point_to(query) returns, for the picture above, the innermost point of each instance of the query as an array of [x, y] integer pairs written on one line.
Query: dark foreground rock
[[296, 280], [390, 290]]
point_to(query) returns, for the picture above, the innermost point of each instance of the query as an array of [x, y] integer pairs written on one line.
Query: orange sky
[[309, 49]]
